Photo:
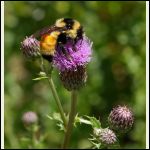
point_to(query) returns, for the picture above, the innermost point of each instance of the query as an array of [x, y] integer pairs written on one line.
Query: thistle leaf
[[39, 78], [94, 122]]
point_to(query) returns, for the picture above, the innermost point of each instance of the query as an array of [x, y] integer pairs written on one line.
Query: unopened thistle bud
[[29, 118], [30, 47], [106, 136], [121, 119], [72, 66]]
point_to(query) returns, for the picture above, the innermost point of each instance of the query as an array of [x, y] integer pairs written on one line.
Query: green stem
[[71, 119], [54, 92]]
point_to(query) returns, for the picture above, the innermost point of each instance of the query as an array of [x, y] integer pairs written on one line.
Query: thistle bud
[[107, 136], [121, 119], [30, 47], [29, 118], [74, 79]]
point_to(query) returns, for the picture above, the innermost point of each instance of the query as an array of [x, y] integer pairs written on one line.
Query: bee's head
[[69, 23]]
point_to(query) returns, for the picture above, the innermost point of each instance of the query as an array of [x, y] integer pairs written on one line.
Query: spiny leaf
[[94, 122], [57, 117], [81, 120], [49, 117], [61, 126], [96, 145], [85, 121], [39, 78]]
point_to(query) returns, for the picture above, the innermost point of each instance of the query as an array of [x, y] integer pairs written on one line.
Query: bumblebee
[[66, 29]]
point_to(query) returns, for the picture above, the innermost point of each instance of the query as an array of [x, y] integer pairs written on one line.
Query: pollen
[[47, 44], [48, 39]]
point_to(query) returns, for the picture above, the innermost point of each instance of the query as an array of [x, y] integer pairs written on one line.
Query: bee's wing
[[46, 30]]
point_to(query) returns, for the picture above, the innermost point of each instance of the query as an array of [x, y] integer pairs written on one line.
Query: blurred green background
[[116, 74]]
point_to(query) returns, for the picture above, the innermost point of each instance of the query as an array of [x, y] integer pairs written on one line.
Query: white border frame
[[2, 74]]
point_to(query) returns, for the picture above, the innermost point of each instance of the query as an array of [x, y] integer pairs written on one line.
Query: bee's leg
[[81, 41], [75, 41], [74, 47], [63, 50]]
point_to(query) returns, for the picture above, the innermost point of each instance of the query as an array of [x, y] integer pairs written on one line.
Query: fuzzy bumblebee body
[[69, 30], [48, 44], [72, 28]]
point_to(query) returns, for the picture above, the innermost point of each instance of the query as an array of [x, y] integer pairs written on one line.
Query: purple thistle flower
[[30, 47], [72, 64], [121, 119], [78, 56]]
